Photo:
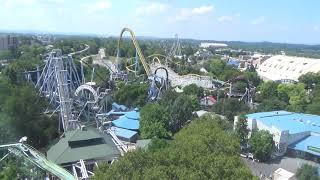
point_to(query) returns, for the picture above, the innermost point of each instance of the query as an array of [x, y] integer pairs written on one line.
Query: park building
[[287, 68], [85, 147], [296, 134]]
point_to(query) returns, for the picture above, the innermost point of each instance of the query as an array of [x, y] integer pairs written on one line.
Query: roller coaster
[[158, 84], [137, 47], [155, 61], [35, 157]]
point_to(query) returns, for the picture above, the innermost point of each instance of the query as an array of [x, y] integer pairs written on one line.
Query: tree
[[310, 79], [28, 119], [307, 172], [252, 77], [154, 121], [314, 106], [230, 108], [267, 90], [202, 150], [261, 144], [5, 54], [132, 94], [296, 95], [180, 112], [193, 89], [242, 130], [19, 168], [271, 104]]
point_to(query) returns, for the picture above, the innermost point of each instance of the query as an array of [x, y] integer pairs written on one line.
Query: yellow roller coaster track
[[138, 49]]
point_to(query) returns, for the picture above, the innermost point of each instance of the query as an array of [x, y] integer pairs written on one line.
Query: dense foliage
[[230, 108], [202, 150], [167, 116], [242, 130], [261, 144], [134, 95], [307, 172], [154, 121], [19, 116]]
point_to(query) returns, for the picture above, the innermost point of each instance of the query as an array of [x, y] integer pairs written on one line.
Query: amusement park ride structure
[[74, 99], [58, 79]]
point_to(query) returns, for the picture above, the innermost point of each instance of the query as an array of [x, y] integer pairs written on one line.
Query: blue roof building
[[294, 131], [118, 107], [233, 62], [126, 123], [125, 134]]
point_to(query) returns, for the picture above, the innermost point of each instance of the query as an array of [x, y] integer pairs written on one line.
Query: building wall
[[7, 42], [282, 139]]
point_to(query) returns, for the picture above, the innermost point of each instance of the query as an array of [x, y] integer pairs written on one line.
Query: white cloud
[[97, 5], [185, 13], [7, 4], [258, 20], [316, 28], [225, 18], [151, 9], [202, 10]]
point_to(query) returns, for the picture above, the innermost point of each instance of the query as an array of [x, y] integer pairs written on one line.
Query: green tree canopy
[[271, 104], [307, 172], [230, 108], [261, 144], [202, 150], [267, 90], [193, 89], [154, 121], [296, 95], [132, 94], [242, 130], [310, 79]]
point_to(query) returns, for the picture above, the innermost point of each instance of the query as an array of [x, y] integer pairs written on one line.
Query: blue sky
[[291, 21]]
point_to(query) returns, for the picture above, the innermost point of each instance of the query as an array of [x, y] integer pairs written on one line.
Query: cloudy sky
[[292, 21]]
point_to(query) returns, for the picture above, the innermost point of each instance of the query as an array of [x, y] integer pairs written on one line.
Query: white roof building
[[281, 67]]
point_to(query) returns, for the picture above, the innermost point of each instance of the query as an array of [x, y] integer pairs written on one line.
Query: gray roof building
[[88, 145]]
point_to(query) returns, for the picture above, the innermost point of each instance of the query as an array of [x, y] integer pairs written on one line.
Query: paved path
[[288, 163]]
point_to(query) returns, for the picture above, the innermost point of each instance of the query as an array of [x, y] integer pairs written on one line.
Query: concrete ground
[[267, 168]]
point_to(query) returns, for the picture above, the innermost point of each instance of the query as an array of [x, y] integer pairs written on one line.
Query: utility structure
[[175, 51], [57, 82]]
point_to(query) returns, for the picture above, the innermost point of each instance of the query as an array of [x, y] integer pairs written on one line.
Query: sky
[[285, 21]]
